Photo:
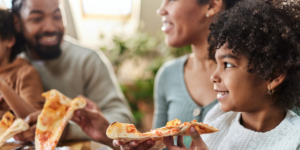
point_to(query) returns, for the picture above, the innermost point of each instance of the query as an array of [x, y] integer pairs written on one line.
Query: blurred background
[[128, 32]]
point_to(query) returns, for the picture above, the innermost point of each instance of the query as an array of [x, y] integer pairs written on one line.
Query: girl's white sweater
[[233, 136]]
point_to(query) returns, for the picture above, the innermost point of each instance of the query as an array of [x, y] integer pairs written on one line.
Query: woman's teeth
[[165, 26]]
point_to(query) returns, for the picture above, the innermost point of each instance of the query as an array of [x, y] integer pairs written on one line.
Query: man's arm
[[92, 122], [101, 86]]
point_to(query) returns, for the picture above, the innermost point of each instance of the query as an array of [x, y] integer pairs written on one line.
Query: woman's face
[[237, 89], [184, 21]]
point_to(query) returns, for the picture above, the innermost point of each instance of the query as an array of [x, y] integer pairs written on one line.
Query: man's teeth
[[49, 38]]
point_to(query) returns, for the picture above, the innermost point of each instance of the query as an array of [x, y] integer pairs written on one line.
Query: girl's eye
[[228, 65]]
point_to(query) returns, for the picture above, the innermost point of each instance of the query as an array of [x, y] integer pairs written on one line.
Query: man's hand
[[28, 135], [92, 122]]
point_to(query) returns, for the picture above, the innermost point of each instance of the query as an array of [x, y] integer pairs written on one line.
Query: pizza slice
[[128, 132], [10, 126], [56, 113]]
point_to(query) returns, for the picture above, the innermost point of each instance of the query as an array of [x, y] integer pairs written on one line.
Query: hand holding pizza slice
[[127, 132], [10, 126], [57, 112]]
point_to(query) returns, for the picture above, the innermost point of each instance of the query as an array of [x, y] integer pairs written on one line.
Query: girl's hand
[[197, 142], [134, 145]]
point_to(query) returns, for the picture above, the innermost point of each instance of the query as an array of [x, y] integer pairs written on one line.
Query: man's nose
[[49, 26]]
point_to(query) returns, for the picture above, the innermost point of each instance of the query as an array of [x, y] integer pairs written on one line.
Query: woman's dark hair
[[228, 3], [7, 31], [266, 32]]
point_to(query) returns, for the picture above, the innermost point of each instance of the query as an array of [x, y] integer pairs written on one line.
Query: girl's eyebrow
[[228, 56]]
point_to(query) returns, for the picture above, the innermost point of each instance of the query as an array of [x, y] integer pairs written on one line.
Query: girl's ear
[[214, 7], [11, 42], [276, 81]]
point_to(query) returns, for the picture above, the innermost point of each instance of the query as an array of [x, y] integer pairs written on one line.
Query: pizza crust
[[127, 132], [57, 112], [11, 126]]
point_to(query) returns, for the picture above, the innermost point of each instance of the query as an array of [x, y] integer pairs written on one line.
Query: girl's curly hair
[[266, 32]]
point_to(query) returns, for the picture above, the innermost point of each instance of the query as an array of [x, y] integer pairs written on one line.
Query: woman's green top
[[172, 99]]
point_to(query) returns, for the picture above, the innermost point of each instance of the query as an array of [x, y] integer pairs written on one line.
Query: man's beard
[[44, 51]]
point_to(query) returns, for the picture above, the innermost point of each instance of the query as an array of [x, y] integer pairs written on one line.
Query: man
[[67, 67]]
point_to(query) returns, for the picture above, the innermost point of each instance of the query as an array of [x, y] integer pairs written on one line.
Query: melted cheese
[[173, 123]]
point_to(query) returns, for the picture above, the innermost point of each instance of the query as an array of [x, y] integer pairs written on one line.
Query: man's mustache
[[49, 34]]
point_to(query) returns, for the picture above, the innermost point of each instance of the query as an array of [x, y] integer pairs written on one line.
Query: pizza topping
[[131, 129], [173, 123], [44, 136]]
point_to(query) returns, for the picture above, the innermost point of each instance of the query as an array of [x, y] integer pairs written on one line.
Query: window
[[107, 8], [5, 3]]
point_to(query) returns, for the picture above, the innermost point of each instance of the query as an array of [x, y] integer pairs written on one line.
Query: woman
[[183, 89]]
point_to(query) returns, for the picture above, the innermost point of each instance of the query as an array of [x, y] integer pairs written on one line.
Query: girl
[[20, 84], [256, 47]]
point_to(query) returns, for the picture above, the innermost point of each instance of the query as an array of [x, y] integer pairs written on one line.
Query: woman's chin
[[174, 42]]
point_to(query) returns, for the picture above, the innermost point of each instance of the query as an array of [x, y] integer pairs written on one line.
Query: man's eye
[[228, 65], [36, 19]]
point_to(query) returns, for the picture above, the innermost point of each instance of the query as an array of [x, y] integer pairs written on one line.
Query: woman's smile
[[167, 25]]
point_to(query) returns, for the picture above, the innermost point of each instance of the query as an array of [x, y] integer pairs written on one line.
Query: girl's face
[[184, 21], [237, 89]]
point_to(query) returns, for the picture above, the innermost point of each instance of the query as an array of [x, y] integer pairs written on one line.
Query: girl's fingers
[[180, 142], [169, 142], [197, 142]]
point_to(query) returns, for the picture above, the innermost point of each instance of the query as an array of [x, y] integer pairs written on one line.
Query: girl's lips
[[222, 95]]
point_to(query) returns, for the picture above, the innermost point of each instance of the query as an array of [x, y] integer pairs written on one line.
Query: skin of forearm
[[14, 101]]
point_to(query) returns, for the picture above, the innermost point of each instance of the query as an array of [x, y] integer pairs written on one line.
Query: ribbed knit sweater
[[81, 71], [233, 136]]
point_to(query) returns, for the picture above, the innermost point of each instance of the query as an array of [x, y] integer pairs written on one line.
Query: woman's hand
[[134, 145], [197, 142]]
